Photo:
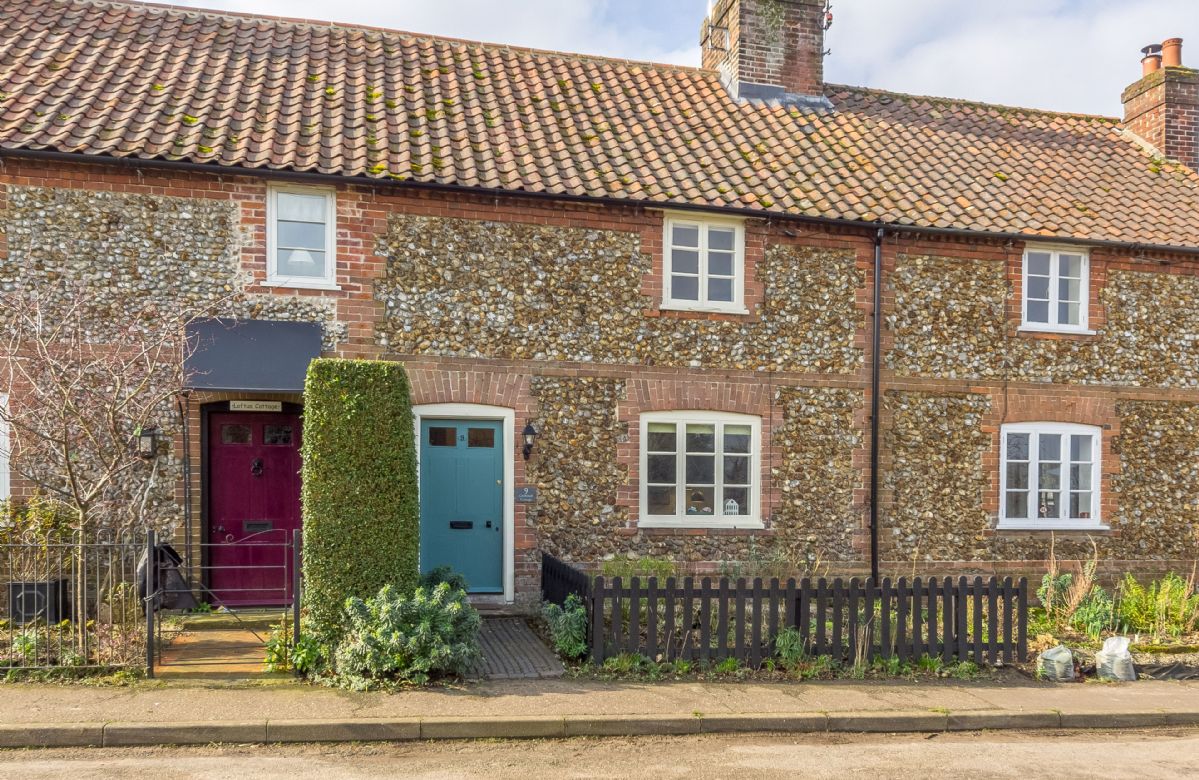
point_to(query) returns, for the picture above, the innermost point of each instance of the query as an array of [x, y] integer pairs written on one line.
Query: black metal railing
[[71, 600]]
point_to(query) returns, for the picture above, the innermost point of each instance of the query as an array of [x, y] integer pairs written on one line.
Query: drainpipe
[[875, 368]]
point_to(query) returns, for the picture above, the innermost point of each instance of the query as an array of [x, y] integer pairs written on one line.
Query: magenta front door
[[254, 505]]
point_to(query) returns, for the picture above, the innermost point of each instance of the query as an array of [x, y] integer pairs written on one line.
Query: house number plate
[[526, 495]]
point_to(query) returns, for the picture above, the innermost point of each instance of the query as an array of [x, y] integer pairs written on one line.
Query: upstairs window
[[300, 237], [1055, 290], [1050, 476], [699, 470], [704, 262]]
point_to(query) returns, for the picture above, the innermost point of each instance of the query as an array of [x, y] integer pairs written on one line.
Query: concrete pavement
[[157, 714]]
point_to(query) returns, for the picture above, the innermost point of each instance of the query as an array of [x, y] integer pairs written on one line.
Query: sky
[[1065, 55]]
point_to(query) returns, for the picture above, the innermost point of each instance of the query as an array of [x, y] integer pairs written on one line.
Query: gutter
[[876, 329], [456, 189]]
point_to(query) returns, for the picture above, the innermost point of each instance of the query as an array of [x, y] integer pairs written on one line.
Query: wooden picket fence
[[708, 620]]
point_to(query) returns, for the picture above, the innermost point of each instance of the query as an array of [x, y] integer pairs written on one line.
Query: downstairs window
[[1050, 476], [700, 470]]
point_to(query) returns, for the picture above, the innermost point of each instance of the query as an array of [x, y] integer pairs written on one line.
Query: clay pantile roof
[[152, 82]]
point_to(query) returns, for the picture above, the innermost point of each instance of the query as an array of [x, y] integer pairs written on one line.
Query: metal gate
[[198, 632]]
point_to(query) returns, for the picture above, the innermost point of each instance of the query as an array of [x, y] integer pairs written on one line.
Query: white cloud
[[563, 25], [1073, 55]]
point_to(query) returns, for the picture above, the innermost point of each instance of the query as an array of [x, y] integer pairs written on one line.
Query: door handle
[[462, 525]]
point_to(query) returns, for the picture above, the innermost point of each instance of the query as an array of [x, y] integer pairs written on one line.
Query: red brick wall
[[1163, 109], [775, 42]]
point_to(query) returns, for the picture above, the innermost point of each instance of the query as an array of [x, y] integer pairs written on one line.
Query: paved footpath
[[162, 714]]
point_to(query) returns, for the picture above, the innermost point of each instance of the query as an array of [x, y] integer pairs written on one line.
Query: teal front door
[[462, 500]]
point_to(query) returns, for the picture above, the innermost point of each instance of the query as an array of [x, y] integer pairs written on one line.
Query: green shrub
[[398, 638], [361, 517], [1096, 613], [789, 646], [1054, 594], [568, 627], [1168, 607], [435, 577], [278, 648], [628, 568]]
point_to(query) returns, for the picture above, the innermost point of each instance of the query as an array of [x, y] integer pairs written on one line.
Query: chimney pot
[[1172, 53], [1151, 62]]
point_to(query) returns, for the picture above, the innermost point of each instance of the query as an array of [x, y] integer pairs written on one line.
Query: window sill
[[703, 309], [1034, 329], [284, 284], [716, 523], [1056, 525]]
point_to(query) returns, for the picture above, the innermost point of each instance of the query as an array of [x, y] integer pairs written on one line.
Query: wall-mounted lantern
[[530, 436], [147, 442]]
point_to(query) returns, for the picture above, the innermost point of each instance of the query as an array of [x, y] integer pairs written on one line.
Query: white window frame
[[753, 520], [1053, 326], [273, 277], [703, 222], [5, 446], [1065, 430]]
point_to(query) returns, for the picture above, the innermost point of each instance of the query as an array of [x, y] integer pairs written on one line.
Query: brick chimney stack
[[1163, 107], [769, 50]]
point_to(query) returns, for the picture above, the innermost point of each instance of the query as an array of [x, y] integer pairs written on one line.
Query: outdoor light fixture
[[147, 442], [530, 435]]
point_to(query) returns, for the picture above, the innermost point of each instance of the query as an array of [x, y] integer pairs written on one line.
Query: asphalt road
[[1127, 754]]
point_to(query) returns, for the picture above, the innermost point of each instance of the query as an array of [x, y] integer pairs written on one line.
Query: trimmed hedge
[[361, 514]]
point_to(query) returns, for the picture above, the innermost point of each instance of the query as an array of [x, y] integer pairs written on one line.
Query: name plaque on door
[[526, 495], [255, 406]]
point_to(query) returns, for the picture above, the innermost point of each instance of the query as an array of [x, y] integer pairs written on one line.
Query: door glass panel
[[236, 434], [276, 435], [480, 437], [440, 436]]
